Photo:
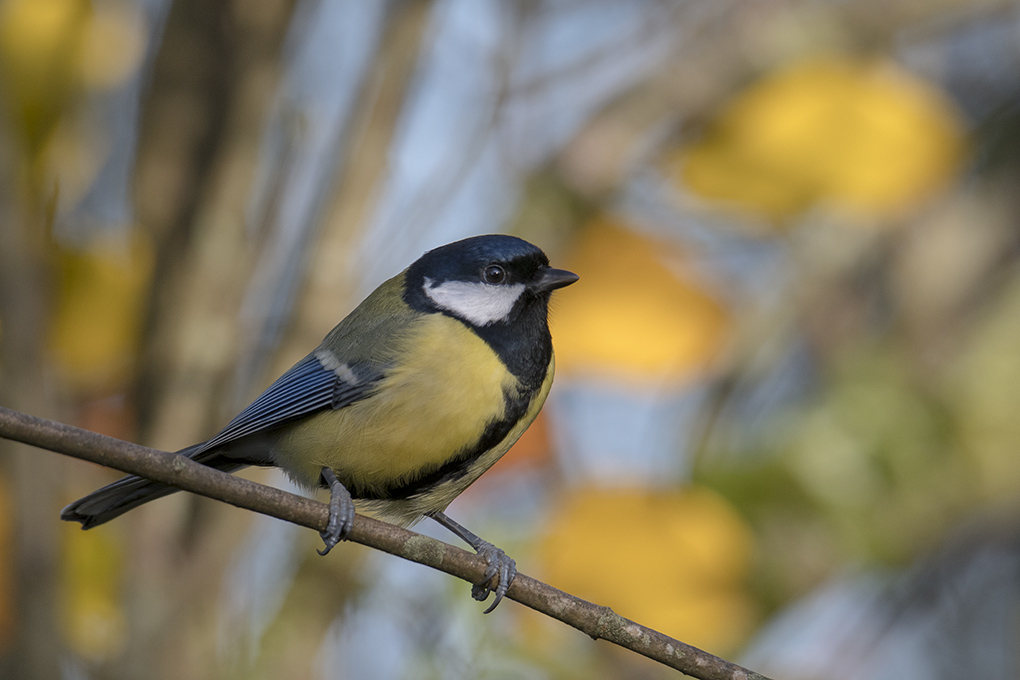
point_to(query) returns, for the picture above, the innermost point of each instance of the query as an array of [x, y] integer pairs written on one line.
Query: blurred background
[[785, 422]]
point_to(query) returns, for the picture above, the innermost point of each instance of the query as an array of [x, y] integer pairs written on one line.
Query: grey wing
[[304, 389], [308, 387]]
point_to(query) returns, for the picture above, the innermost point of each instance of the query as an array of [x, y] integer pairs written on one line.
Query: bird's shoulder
[[373, 331], [345, 368]]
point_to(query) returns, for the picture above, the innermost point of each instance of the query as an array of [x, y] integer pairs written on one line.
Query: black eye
[[494, 274]]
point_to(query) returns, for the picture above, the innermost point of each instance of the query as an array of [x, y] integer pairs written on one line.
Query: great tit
[[405, 403]]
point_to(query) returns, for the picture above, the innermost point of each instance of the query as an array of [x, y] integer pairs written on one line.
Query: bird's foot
[[341, 512], [501, 571], [501, 568]]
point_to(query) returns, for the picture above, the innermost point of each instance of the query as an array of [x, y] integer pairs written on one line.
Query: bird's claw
[[502, 569], [341, 512]]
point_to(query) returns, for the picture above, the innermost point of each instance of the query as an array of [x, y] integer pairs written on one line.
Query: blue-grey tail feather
[[129, 492], [113, 501]]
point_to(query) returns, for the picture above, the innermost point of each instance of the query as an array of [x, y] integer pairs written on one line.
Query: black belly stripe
[[459, 464]]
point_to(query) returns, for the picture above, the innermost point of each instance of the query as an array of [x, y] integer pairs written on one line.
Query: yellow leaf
[[7, 552], [631, 316], [50, 50], [38, 43], [675, 561], [37, 36], [91, 614], [862, 135], [100, 310]]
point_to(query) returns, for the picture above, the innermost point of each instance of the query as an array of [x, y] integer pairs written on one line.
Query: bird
[[405, 402]]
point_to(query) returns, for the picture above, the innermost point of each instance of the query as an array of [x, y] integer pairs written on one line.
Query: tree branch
[[184, 473]]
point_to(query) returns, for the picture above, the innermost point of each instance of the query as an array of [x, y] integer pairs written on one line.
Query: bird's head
[[483, 280]]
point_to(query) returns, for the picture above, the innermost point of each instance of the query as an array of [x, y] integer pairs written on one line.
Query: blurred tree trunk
[[211, 80], [332, 275], [210, 84], [25, 304]]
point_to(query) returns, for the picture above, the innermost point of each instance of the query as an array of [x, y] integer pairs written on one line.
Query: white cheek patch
[[477, 303]]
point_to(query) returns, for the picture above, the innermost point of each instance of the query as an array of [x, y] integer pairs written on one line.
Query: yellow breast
[[448, 387]]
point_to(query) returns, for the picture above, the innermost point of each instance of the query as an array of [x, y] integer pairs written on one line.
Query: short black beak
[[547, 278]]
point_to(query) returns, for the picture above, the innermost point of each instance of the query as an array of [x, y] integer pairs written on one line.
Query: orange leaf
[[859, 134], [632, 316], [676, 561]]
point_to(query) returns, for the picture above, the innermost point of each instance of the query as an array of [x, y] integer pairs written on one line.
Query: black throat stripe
[[524, 345]]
